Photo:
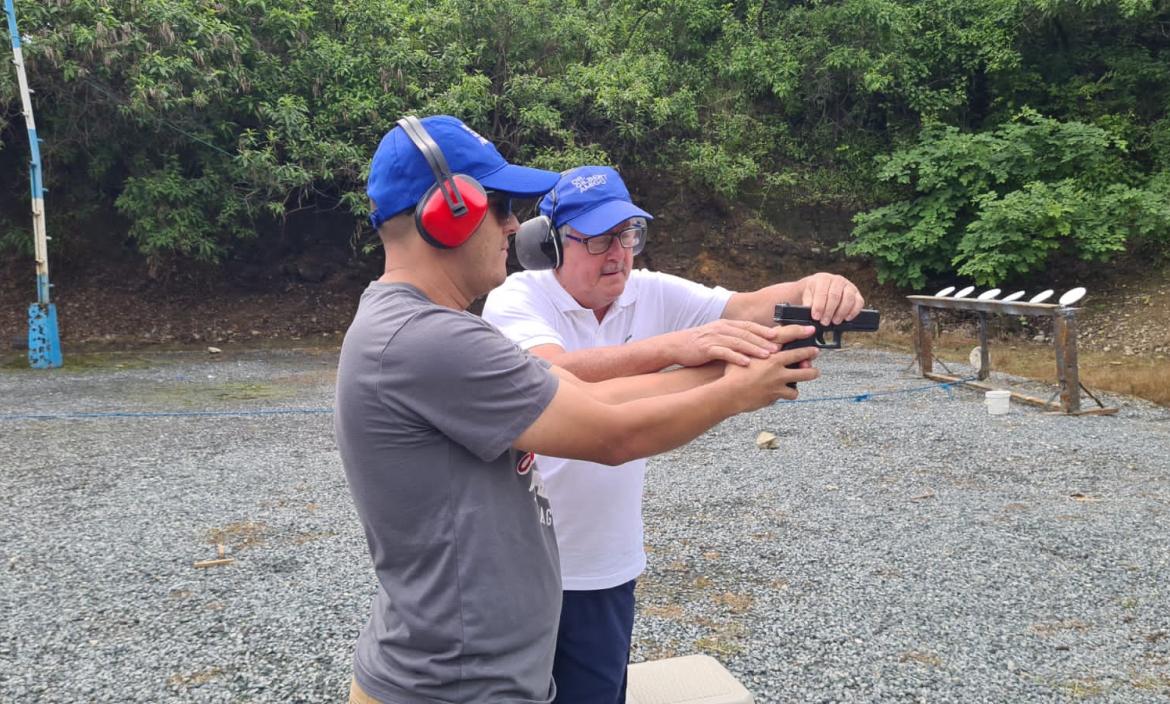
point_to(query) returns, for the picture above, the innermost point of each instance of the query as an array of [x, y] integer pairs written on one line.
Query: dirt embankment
[[310, 293]]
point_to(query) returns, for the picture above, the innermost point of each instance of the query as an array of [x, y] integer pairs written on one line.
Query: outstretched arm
[[628, 388], [745, 332], [833, 299], [733, 341], [579, 423]]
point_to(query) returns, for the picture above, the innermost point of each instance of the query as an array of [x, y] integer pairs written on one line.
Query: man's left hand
[[832, 297]]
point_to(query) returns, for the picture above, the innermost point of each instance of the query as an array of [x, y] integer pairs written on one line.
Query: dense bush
[[203, 122], [999, 203]]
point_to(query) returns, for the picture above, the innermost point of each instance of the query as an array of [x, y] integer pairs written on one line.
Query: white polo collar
[[567, 304]]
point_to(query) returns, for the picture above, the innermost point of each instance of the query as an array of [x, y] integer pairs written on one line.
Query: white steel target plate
[[1072, 296]]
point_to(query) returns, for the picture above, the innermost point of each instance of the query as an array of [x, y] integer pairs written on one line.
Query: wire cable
[[80, 415], [858, 398], [164, 414]]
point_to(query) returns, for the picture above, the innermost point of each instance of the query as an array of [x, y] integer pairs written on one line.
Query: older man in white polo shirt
[[599, 318]]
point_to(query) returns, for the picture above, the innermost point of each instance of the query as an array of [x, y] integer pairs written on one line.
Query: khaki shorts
[[357, 695]]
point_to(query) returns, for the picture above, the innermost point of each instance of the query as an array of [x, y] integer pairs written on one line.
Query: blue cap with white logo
[[591, 199], [400, 174]]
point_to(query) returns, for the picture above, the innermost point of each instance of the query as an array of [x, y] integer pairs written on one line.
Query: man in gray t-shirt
[[444, 497], [438, 416]]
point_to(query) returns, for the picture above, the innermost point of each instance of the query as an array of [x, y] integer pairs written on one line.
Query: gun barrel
[[866, 321]]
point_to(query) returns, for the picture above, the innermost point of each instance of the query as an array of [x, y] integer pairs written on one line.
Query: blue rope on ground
[[165, 414], [858, 398], [855, 398]]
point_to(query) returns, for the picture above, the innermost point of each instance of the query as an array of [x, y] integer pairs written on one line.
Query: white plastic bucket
[[998, 401]]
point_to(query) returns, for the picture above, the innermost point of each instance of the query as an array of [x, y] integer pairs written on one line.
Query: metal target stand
[[1064, 343]]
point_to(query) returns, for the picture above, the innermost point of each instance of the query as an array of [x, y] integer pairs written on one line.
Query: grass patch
[[921, 658], [1159, 683], [239, 535], [1053, 627], [673, 612], [243, 391], [194, 679], [310, 536], [645, 651], [735, 603], [319, 377], [200, 394], [718, 648], [1082, 688], [89, 361], [14, 362], [1144, 377]]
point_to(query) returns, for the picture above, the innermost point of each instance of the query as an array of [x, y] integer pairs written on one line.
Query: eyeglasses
[[500, 203], [629, 238]]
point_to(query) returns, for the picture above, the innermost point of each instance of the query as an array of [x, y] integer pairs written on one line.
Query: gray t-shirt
[[429, 401]]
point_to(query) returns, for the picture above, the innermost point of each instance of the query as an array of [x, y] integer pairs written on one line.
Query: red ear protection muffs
[[450, 210]]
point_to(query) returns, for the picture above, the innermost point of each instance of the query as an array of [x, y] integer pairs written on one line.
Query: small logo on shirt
[[524, 466]]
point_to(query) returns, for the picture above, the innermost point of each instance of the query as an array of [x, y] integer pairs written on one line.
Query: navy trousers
[[593, 645]]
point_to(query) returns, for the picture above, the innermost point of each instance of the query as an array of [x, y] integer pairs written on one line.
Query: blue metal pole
[[44, 343]]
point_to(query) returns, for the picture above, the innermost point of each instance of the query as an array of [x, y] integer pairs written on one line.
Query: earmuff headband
[[438, 163]]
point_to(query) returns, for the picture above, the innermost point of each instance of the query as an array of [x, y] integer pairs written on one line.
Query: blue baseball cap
[[592, 199], [400, 175]]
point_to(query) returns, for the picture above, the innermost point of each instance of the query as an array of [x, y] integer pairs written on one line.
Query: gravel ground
[[906, 548]]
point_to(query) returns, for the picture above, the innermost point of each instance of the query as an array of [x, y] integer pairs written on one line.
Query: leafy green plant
[[198, 125], [996, 204]]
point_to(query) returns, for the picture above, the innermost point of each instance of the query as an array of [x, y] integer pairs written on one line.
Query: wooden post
[[984, 348], [922, 339], [1064, 341]]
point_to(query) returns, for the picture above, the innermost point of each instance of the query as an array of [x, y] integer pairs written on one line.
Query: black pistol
[[865, 321]]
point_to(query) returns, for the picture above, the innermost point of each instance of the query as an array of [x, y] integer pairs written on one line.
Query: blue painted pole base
[[44, 344]]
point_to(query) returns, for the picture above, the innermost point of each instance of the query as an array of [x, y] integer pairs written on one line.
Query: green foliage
[[203, 123], [1000, 203], [170, 211]]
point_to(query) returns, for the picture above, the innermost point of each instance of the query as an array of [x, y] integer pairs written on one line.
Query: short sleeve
[[523, 315], [467, 380], [685, 304]]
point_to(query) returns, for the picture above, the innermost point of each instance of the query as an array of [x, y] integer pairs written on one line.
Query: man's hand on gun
[[736, 342], [866, 320], [832, 298], [763, 381]]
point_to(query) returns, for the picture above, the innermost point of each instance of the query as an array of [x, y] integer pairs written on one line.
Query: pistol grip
[[809, 341]]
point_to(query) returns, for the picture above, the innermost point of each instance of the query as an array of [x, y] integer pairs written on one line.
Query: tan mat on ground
[[692, 679]]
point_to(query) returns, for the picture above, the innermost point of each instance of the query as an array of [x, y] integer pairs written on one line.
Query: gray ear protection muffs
[[538, 244]]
